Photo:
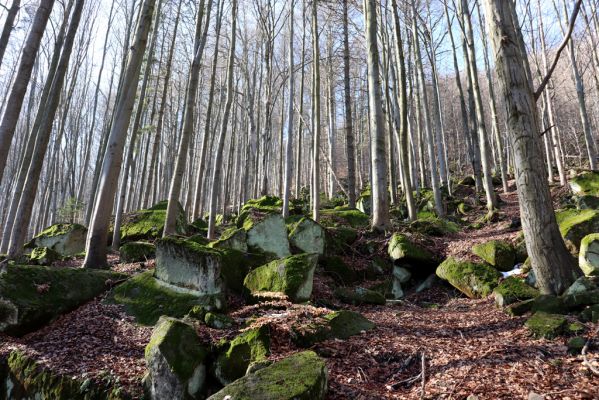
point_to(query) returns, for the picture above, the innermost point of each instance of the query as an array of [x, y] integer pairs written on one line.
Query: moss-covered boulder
[[302, 376], [24, 378], [498, 253], [218, 321], [232, 239], [574, 225], [31, 296], [137, 251], [267, 233], [359, 295], [587, 202], [544, 325], [147, 298], [235, 356], [475, 280], [262, 205], [336, 325], [549, 304], [176, 361], [149, 224], [581, 285], [65, 239], [588, 257], [364, 202], [579, 300], [344, 216], [433, 226], [512, 290], [307, 236], [336, 268], [401, 248], [586, 183], [43, 256], [339, 239], [291, 276], [189, 265]]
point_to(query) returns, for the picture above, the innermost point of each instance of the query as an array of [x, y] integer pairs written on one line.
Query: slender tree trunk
[[350, 150], [554, 267], [8, 27], [289, 144], [111, 166], [315, 115]]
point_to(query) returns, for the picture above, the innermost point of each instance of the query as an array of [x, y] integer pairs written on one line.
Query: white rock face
[[308, 236], [269, 235], [65, 239]]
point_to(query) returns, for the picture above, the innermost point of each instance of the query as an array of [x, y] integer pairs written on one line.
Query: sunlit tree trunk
[[289, 144]]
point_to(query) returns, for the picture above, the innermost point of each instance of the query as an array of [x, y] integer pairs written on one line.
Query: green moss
[[336, 325], [434, 226], [576, 344], [590, 314], [307, 236], [235, 356], [586, 183], [512, 290], [402, 248], [149, 224], [498, 253], [344, 216], [232, 238], [302, 376], [337, 269], [472, 279], [544, 325], [291, 276], [519, 308], [31, 380], [43, 256], [588, 258], [146, 299], [339, 239], [549, 304], [59, 229], [576, 224], [218, 321], [263, 205], [359, 295], [137, 251], [32, 296], [179, 344]]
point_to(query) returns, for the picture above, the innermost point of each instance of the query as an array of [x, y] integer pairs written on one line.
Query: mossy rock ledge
[[401, 248], [43, 256], [545, 325], [149, 224], [512, 290], [574, 225], [475, 280], [235, 356], [497, 253], [588, 258], [176, 361], [307, 236], [291, 276], [137, 251], [586, 183], [64, 239], [336, 325], [32, 296], [302, 376], [344, 216]]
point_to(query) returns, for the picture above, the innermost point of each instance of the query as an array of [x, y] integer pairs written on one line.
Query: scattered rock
[[307, 236], [267, 233], [176, 360], [137, 251], [64, 239], [149, 224], [359, 295], [32, 296], [336, 325], [574, 225], [428, 283], [499, 254], [291, 276], [236, 356], [232, 239], [544, 325], [549, 304], [403, 249], [43, 256], [588, 258], [218, 321], [512, 290], [344, 216], [576, 344], [581, 285], [582, 299], [519, 308], [475, 280], [302, 376]]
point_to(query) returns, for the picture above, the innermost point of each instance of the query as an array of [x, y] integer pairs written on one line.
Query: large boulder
[[307, 236], [147, 298], [402, 249], [263, 205], [176, 361], [235, 356], [586, 183], [360, 295], [291, 276], [344, 216], [336, 325], [544, 325], [32, 296], [302, 376], [137, 251], [498, 253], [588, 257], [149, 224], [512, 290], [232, 239], [267, 233], [574, 225], [190, 266], [65, 239], [43, 256], [475, 280]]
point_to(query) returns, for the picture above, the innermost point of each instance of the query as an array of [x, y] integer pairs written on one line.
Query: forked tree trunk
[[553, 265]]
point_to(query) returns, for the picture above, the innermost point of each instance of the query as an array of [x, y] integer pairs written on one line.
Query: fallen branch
[[423, 373], [586, 362]]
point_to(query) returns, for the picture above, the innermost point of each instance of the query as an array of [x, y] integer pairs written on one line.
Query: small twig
[[423, 373], [586, 362], [546, 130]]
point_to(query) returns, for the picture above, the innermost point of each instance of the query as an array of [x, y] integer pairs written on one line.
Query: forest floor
[[454, 345]]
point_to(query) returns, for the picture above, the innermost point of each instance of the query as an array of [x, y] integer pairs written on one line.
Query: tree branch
[[562, 46]]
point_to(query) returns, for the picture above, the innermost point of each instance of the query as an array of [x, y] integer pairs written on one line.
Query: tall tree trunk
[[19, 87], [350, 150], [98, 231], [216, 173], [315, 115], [289, 144], [8, 26], [553, 265]]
